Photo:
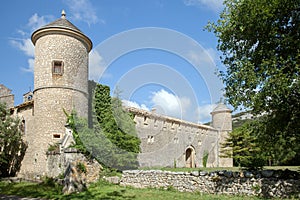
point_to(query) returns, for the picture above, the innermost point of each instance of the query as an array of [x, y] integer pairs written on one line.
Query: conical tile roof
[[61, 24]]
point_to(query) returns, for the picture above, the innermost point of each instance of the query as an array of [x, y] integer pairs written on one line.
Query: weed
[[81, 167]]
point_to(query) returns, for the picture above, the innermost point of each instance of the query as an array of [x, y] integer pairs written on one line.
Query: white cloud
[[36, 22], [134, 105], [204, 57], [203, 112], [30, 67], [96, 66], [25, 45], [215, 5], [83, 10], [169, 104]]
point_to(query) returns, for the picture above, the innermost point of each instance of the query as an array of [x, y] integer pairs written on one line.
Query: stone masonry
[[61, 84], [171, 142], [265, 183], [6, 96]]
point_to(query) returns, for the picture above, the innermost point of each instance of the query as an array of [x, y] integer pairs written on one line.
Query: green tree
[[116, 123], [244, 147], [260, 43], [112, 137], [12, 147]]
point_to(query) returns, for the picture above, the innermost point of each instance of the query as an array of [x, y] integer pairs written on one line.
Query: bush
[[205, 158]]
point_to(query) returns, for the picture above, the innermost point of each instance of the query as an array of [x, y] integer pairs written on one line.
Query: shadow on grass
[[45, 191]]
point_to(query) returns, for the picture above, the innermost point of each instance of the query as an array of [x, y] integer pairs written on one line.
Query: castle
[[61, 83]]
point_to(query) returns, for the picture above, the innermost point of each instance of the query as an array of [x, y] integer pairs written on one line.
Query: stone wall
[[169, 142], [54, 93], [58, 163], [265, 183], [6, 96]]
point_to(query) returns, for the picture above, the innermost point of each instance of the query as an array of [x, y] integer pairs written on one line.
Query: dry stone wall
[[265, 183]]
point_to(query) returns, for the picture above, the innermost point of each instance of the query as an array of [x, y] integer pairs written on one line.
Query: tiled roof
[[61, 23]]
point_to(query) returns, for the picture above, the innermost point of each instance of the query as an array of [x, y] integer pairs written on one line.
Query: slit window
[[57, 67], [56, 136]]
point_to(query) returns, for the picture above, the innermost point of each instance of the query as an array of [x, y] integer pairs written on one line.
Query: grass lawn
[[103, 190]]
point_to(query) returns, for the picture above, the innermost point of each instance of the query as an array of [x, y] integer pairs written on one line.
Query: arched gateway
[[190, 157]]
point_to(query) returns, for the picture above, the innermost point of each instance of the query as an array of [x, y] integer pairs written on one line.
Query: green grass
[[103, 190]]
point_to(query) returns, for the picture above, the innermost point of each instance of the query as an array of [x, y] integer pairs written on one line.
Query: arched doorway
[[190, 157]]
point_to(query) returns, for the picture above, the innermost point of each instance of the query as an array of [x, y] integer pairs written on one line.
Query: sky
[[155, 53]]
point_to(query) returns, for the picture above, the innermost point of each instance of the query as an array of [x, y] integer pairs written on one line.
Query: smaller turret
[[222, 121], [221, 118]]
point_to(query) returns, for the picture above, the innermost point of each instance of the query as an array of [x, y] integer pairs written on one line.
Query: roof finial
[[63, 14]]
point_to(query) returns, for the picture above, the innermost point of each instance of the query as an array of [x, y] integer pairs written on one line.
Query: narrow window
[[56, 136], [57, 67], [155, 123], [150, 139], [145, 120], [22, 126]]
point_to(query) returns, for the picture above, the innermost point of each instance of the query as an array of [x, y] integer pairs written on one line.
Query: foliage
[[244, 147], [12, 147], [260, 43], [106, 140], [76, 124], [81, 167], [205, 157], [114, 121], [53, 147]]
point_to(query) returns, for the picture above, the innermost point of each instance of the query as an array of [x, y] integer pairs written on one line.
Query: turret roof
[[221, 107], [63, 24]]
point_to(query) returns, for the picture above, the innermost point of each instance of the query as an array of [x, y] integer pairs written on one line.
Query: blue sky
[[155, 52]]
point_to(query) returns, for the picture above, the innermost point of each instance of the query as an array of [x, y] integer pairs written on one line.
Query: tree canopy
[[112, 138], [12, 147], [259, 41]]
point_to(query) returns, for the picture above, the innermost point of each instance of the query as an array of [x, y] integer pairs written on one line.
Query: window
[[29, 97], [145, 120], [150, 139], [57, 67], [56, 136], [22, 126], [176, 140]]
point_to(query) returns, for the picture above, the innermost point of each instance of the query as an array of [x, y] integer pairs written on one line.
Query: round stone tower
[[60, 83], [221, 118], [222, 121]]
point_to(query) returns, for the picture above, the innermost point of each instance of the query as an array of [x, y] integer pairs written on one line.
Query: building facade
[[61, 85], [171, 142]]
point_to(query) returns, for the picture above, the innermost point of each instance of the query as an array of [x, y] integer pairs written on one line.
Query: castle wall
[[55, 93], [25, 112], [166, 142], [6, 96]]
